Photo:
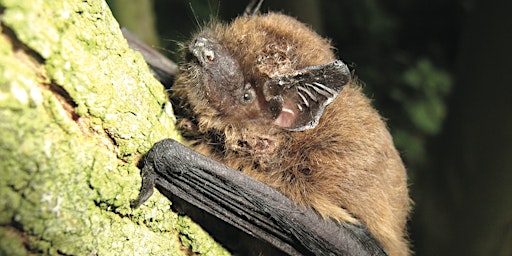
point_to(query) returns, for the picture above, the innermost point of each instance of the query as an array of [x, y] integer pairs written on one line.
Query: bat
[[286, 147]]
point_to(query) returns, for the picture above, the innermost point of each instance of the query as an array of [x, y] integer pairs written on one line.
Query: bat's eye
[[248, 96]]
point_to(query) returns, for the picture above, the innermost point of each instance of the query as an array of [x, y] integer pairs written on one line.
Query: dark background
[[438, 70]]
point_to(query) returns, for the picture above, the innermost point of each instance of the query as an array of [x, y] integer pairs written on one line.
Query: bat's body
[[265, 96]]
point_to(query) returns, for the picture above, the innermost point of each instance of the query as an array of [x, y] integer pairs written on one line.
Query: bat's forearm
[[248, 204]]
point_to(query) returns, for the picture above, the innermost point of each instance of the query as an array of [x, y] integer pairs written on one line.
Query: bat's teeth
[[323, 90], [308, 92], [303, 98]]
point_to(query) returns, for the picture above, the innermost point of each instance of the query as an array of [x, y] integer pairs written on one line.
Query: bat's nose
[[203, 49]]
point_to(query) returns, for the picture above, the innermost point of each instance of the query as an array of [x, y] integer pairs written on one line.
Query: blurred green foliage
[[404, 57], [426, 108], [422, 95]]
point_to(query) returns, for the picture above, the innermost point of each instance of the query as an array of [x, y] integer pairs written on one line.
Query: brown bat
[[266, 97]]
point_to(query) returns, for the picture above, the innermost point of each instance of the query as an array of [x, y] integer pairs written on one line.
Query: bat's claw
[[148, 184], [160, 158]]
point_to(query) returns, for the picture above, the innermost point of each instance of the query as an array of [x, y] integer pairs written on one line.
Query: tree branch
[[77, 110]]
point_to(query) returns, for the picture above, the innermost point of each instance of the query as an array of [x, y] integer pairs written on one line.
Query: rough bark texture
[[78, 108]]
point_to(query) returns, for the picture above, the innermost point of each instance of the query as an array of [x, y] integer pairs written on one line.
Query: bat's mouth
[[286, 118]]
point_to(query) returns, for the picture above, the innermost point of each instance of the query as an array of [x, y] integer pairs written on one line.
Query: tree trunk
[[78, 108]]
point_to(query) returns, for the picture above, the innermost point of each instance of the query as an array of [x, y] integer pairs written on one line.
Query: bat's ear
[[253, 7], [298, 100]]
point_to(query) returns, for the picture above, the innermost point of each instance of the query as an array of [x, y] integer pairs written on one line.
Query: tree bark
[[78, 108]]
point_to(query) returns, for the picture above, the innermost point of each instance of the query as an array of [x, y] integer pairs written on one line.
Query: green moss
[[68, 160], [194, 237], [11, 243]]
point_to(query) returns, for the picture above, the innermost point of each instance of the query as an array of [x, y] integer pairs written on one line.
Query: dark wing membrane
[[307, 92], [251, 206]]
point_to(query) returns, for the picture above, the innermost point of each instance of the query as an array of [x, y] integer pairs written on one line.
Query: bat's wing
[[164, 69], [249, 205]]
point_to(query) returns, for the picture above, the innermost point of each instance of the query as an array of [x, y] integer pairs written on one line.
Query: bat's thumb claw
[[148, 184]]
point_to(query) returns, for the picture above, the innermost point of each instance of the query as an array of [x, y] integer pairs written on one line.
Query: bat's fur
[[346, 168]]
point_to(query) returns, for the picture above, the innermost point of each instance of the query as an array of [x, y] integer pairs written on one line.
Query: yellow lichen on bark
[[78, 108]]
